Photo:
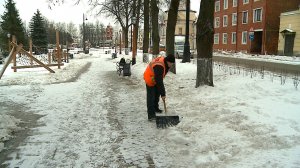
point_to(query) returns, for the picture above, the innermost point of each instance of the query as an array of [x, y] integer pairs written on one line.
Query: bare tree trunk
[[138, 14], [133, 34], [146, 31], [204, 39], [186, 51], [155, 30], [125, 31], [170, 33]]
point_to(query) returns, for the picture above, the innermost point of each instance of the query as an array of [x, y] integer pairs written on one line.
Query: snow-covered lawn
[[240, 122]]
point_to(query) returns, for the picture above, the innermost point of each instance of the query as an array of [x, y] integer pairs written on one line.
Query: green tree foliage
[[11, 24], [38, 33]]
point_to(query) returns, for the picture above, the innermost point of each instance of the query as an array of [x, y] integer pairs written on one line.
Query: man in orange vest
[[153, 76]]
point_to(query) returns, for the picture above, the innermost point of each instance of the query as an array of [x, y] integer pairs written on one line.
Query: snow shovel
[[165, 121]]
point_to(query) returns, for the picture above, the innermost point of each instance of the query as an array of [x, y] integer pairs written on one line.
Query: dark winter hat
[[170, 58]]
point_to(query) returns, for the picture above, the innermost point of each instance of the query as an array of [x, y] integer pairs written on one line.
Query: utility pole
[[134, 45], [8, 38], [186, 51], [134, 49], [83, 34], [120, 41]]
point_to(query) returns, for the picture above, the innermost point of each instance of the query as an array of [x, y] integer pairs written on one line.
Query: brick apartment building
[[250, 26], [108, 36]]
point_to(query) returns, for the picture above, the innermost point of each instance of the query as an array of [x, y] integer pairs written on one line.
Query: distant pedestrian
[[153, 76]]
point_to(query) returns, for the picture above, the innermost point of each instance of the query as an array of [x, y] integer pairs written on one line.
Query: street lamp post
[[120, 41], [186, 51], [116, 41], [193, 46], [83, 34], [8, 37], [134, 40], [131, 38]]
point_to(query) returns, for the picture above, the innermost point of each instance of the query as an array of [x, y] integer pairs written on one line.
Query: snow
[[91, 117]]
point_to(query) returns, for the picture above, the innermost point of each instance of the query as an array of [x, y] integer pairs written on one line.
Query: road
[[279, 66]]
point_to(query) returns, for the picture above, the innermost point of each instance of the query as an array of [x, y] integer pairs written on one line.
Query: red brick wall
[[271, 10], [239, 28]]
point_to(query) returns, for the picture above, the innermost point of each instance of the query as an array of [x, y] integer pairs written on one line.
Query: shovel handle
[[165, 106]]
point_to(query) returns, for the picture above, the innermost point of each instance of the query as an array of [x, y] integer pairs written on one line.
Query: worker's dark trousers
[[152, 100]]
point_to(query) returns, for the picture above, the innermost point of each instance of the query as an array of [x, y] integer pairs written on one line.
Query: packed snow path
[[95, 121]]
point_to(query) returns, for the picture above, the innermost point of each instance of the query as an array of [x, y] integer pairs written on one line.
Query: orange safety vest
[[149, 75]]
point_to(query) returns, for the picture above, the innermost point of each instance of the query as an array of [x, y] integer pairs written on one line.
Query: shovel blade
[[166, 121]]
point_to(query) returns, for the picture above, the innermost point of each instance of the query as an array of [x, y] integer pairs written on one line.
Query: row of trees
[[146, 12], [95, 33], [43, 32], [11, 24], [40, 30]]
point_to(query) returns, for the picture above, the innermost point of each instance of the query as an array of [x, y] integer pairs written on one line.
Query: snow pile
[[272, 58]]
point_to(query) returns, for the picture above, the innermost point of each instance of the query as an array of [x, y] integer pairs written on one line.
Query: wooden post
[[49, 57], [58, 49], [19, 48], [14, 54], [7, 62], [30, 50], [67, 55], [134, 46], [9, 48]]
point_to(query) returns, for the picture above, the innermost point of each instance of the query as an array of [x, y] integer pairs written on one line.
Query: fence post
[[14, 54], [58, 49]]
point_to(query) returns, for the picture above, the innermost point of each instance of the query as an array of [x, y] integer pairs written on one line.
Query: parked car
[[161, 48], [179, 51]]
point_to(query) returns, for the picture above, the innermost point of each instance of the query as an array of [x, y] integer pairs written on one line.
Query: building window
[[217, 22], [257, 15], [245, 17], [234, 19], [216, 38], [224, 38], [217, 6], [180, 31], [233, 38], [225, 21], [225, 4], [244, 37], [245, 1], [234, 3]]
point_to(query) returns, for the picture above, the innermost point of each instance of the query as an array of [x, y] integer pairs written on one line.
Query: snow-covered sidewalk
[[99, 120]]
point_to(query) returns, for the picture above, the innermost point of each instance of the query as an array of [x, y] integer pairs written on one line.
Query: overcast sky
[[68, 12]]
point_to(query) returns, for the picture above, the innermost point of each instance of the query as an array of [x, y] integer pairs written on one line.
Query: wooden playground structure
[[28, 60]]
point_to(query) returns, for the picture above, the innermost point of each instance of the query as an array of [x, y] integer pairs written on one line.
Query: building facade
[[180, 25], [109, 32], [289, 33], [250, 26]]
